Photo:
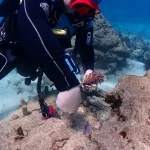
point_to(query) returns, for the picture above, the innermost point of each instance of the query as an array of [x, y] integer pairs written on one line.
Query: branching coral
[[93, 78]]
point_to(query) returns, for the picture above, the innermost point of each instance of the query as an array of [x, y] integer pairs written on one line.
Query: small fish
[[87, 129]]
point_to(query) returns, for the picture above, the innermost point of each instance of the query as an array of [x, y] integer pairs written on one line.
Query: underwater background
[[127, 17]]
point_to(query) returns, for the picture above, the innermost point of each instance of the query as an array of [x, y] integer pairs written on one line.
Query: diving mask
[[86, 7]]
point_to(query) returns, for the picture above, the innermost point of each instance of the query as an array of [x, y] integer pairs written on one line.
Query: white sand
[[134, 68], [9, 92]]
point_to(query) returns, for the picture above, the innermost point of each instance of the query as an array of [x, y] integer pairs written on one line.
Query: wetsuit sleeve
[[41, 45], [84, 46], [7, 6]]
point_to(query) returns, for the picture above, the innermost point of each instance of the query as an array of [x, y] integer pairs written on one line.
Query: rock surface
[[138, 48], [125, 125], [110, 51], [134, 94], [51, 134]]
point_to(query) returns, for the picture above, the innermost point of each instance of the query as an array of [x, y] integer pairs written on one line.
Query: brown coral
[[93, 78]]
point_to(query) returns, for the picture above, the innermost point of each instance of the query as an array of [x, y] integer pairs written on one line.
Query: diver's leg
[[42, 46]]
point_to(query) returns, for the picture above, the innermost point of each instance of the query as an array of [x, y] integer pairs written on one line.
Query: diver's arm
[[7, 6], [84, 46], [41, 45]]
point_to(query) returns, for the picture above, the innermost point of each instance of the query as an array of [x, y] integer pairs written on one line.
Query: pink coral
[[93, 78]]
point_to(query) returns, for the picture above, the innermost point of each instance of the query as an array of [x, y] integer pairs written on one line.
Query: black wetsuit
[[40, 45]]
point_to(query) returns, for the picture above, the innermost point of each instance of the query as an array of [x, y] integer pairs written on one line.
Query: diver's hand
[[86, 74], [69, 101]]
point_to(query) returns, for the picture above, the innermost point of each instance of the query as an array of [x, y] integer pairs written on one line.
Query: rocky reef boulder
[[19, 132], [131, 100], [110, 51], [138, 48], [118, 120], [146, 57]]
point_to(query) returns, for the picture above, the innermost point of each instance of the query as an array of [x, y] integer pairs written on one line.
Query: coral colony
[[93, 78]]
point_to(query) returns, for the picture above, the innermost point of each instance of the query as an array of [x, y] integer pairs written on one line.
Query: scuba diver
[[31, 43]]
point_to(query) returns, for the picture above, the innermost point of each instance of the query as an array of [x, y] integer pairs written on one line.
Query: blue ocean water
[[126, 10], [128, 15]]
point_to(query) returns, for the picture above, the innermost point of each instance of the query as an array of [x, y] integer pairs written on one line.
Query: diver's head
[[84, 7]]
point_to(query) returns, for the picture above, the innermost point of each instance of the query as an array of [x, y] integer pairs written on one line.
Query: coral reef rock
[[134, 93], [34, 132], [110, 51], [138, 48], [116, 120]]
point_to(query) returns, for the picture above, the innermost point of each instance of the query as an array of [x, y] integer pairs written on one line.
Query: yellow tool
[[59, 31]]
